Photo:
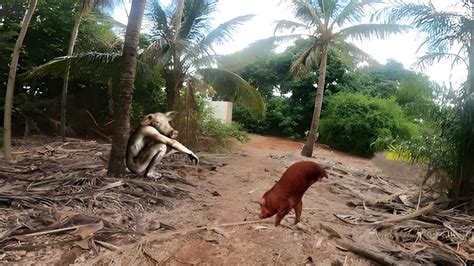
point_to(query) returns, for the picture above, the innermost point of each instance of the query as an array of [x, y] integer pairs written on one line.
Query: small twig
[[107, 245]]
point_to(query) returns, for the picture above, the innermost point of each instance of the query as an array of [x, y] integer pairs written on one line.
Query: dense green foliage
[[383, 87], [369, 108], [352, 122], [47, 38]]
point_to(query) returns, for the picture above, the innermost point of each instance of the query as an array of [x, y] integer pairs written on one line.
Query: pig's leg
[[280, 215], [159, 150], [298, 208]]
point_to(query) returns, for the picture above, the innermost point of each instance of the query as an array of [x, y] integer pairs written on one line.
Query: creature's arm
[[154, 134]]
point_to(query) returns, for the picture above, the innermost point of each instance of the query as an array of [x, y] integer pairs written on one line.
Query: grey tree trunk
[[7, 119], [318, 103], [72, 43], [123, 96]]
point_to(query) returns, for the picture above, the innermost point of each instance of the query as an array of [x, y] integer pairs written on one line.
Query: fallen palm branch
[[445, 236], [71, 175]]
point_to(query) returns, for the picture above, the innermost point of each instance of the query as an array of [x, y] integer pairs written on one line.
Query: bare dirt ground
[[215, 221]]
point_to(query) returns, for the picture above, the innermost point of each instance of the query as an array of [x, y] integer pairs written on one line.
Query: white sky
[[401, 47]]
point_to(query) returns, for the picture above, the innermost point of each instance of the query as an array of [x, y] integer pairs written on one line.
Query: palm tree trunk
[[110, 94], [123, 97], [171, 91], [466, 176], [173, 76], [72, 43], [7, 119], [309, 145]]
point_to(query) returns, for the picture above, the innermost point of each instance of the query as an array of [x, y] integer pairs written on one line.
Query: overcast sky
[[402, 47]]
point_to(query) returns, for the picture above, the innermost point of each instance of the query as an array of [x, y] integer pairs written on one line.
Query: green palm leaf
[[224, 31], [231, 87], [93, 66], [350, 53], [443, 28], [283, 24], [431, 58], [353, 12], [307, 13], [367, 31]]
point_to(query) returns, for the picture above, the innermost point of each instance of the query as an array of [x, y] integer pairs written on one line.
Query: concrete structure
[[222, 110]]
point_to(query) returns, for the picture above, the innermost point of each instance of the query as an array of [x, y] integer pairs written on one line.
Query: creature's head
[[265, 211], [323, 174], [160, 121]]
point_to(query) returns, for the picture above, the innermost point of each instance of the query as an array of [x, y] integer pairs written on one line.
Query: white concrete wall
[[222, 110]]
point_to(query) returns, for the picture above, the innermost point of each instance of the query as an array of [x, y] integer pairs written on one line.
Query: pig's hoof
[[154, 176]]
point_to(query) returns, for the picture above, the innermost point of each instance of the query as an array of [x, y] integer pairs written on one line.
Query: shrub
[[220, 135], [282, 118], [352, 122]]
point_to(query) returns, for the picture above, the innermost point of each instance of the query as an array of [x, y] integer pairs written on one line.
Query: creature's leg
[[298, 208], [280, 215], [159, 150]]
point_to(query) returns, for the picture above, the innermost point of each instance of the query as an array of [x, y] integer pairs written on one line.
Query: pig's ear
[[171, 115], [145, 120]]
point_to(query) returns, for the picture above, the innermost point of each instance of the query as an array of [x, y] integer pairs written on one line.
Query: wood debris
[[430, 234]]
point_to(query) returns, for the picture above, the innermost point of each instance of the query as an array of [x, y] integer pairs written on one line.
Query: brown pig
[[286, 194]]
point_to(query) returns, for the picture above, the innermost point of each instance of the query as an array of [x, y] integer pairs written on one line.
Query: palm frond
[[366, 31], [431, 58], [224, 31], [158, 53], [307, 13], [232, 87], [306, 59], [350, 53], [93, 66], [196, 19], [353, 11], [443, 27], [328, 8], [282, 25], [159, 19]]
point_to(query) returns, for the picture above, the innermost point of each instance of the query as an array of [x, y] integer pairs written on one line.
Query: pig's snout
[[174, 134]]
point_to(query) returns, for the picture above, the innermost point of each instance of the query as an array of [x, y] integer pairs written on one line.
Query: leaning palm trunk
[[318, 103], [72, 43], [123, 97], [7, 120]]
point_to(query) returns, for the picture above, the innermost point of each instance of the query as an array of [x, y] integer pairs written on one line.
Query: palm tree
[[447, 30], [183, 43], [123, 96], [84, 7], [7, 120], [330, 23]]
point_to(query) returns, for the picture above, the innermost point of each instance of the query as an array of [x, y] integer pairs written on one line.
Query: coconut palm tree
[[181, 56], [183, 45], [84, 6], [329, 24], [7, 120], [445, 31], [123, 97]]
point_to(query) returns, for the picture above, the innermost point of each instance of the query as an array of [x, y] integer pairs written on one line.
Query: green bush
[[217, 135], [282, 119], [220, 131], [352, 122]]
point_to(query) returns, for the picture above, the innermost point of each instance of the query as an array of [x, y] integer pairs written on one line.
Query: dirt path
[[218, 197], [226, 197]]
